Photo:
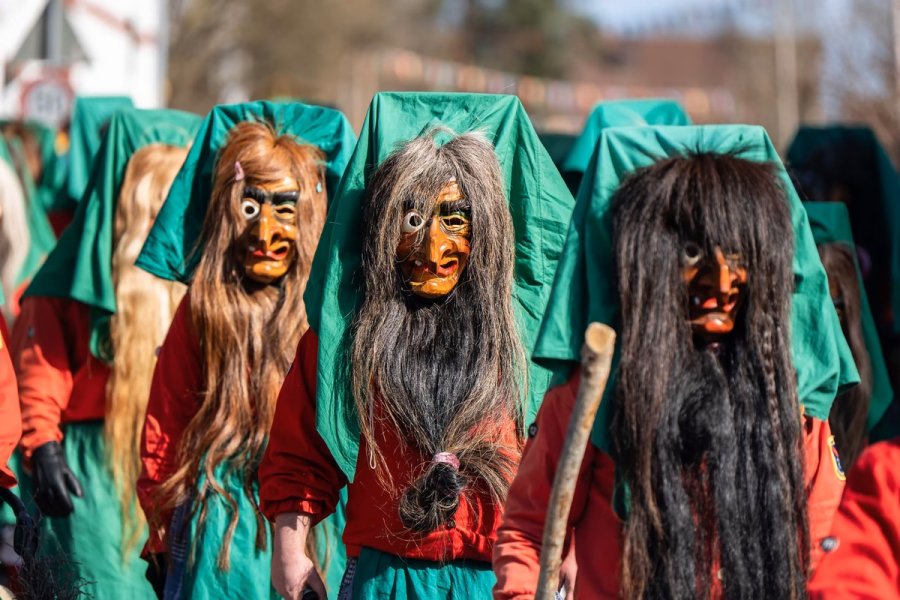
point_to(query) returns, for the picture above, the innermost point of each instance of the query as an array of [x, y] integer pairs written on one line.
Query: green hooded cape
[[617, 113], [80, 267], [539, 203], [89, 116], [558, 146], [585, 291], [875, 221], [37, 194], [830, 224], [169, 251]]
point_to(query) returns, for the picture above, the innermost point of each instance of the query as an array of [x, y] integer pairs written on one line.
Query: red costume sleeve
[[298, 472], [825, 482], [517, 550], [10, 417], [42, 362], [866, 532], [177, 382]]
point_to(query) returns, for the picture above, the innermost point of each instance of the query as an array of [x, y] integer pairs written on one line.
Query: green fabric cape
[[89, 115], [539, 202], [585, 291], [810, 139], [80, 267], [558, 146], [169, 251], [42, 239], [830, 224], [617, 113]]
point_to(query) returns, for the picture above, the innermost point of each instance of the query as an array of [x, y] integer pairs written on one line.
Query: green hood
[[830, 224], [558, 146], [875, 220], [617, 113], [539, 203], [585, 291], [170, 248], [89, 116], [80, 267]]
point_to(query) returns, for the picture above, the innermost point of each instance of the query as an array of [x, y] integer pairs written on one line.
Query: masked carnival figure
[[241, 225], [712, 471], [41, 171], [15, 240], [410, 386], [84, 349]]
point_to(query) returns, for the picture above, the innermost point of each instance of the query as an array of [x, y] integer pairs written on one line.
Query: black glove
[[53, 481], [157, 570]]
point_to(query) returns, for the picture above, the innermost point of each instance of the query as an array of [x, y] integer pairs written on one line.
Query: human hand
[[53, 481], [294, 575]]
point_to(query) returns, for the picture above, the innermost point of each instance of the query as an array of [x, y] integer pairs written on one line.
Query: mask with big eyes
[[269, 211], [715, 286], [434, 249]]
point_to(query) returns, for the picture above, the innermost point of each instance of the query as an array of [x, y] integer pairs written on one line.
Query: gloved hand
[[53, 481], [157, 569]]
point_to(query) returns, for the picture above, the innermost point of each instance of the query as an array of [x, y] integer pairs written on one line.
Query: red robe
[[299, 474], [596, 530], [60, 381], [10, 417], [174, 400], [865, 560]]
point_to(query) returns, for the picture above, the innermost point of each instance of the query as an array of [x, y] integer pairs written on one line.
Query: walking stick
[[596, 356]]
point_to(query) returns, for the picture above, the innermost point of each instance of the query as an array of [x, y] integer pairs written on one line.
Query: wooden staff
[[596, 357]]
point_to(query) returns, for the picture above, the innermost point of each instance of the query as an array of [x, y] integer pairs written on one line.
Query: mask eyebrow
[[453, 206], [255, 193], [289, 197]]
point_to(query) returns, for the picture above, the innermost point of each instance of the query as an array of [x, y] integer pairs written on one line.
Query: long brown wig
[[248, 332], [850, 409], [445, 373], [14, 235], [708, 438], [145, 306]]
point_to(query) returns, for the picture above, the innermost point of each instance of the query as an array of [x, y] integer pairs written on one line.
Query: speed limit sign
[[48, 99]]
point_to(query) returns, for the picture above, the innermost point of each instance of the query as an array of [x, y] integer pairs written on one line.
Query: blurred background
[[772, 62]]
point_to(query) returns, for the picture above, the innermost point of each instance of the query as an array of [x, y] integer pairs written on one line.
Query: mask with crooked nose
[[434, 249]]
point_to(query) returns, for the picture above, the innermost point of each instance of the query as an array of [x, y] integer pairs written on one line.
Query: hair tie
[[447, 458], [238, 171]]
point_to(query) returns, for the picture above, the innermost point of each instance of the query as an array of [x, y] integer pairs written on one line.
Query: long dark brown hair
[[850, 409], [440, 372], [248, 332], [708, 439]]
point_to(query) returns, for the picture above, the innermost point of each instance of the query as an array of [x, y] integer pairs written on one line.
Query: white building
[[51, 50]]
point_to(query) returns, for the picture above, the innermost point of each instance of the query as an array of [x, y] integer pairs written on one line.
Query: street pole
[[786, 89], [53, 32]]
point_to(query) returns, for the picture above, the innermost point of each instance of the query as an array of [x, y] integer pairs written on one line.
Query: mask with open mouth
[[716, 286], [434, 249], [270, 211]]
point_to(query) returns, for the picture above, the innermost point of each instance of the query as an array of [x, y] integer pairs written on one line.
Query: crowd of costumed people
[[258, 354]]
